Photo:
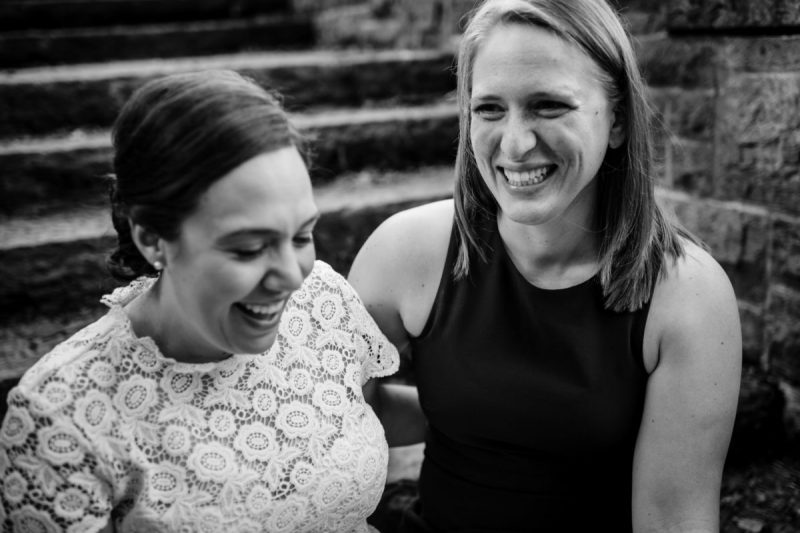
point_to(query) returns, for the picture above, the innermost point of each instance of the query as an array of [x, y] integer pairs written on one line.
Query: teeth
[[531, 177], [264, 309]]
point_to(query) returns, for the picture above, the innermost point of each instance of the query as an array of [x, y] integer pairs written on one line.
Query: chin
[[529, 217]]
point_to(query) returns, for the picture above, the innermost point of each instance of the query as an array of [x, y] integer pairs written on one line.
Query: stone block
[[763, 54], [390, 144], [27, 14], [391, 23], [81, 45], [758, 427], [37, 183], [687, 62], [48, 108], [54, 279], [356, 25], [644, 22], [686, 113], [757, 140], [364, 79], [791, 412], [42, 103], [737, 238], [782, 320], [752, 321], [692, 167], [43, 177], [695, 15], [639, 5], [311, 6], [785, 256]]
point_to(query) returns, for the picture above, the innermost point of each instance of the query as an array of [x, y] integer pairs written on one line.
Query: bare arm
[[398, 409], [396, 274], [694, 338]]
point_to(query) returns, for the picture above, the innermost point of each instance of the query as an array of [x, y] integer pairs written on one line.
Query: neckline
[[500, 247], [121, 296]]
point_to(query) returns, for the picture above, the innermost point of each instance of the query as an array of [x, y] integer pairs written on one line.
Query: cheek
[[226, 283], [479, 138], [306, 258]]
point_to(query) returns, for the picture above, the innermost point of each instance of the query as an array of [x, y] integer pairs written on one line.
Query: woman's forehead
[[534, 55], [268, 191]]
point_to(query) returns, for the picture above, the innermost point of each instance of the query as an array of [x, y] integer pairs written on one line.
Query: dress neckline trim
[[121, 296]]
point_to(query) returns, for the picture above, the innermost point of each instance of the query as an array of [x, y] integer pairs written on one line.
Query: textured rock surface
[[77, 45], [746, 15], [47, 101]]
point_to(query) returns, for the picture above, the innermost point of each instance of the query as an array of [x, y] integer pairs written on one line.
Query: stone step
[[29, 14], [48, 100], [24, 48], [53, 266], [50, 174]]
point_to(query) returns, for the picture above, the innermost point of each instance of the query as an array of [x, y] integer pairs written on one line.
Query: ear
[[150, 245], [617, 134]]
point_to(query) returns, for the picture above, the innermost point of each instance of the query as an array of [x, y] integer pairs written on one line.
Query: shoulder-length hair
[[636, 237]]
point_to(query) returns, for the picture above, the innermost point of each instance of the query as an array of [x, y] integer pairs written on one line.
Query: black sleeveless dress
[[533, 398]]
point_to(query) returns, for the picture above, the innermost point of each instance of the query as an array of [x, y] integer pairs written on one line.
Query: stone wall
[[728, 73], [725, 78]]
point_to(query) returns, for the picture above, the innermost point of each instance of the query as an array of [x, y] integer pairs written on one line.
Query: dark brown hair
[[173, 139]]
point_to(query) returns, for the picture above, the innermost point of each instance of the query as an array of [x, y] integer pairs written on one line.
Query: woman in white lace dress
[[222, 391]]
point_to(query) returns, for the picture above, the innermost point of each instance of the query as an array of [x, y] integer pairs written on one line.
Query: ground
[[760, 495]]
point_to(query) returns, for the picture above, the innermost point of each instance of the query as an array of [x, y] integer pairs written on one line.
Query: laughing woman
[[222, 391], [577, 354]]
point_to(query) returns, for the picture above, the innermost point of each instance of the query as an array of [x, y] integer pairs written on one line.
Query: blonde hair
[[635, 236]]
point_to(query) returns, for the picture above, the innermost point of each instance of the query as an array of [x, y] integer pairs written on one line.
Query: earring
[[158, 265]]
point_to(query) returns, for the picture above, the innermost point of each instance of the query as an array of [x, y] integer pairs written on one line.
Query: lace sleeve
[[48, 473], [377, 355]]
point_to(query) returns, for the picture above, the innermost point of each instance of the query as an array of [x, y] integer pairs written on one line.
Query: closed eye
[[247, 254], [551, 108], [488, 111], [303, 239]]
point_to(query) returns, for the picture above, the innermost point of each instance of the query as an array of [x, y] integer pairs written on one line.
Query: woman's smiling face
[[239, 256], [540, 125]]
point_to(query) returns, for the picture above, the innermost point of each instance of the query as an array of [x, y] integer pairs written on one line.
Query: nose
[[285, 272], [518, 137]]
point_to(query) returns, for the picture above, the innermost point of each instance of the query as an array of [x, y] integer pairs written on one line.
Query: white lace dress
[[104, 425]]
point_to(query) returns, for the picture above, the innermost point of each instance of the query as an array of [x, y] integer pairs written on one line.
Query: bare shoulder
[[418, 229], [693, 353], [397, 270], [695, 276], [693, 299]]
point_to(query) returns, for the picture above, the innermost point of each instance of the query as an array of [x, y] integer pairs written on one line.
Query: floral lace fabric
[[106, 426]]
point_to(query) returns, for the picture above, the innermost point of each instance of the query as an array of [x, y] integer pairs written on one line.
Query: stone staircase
[[382, 122], [46, 32]]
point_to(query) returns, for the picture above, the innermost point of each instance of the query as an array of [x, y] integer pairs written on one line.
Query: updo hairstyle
[[173, 139]]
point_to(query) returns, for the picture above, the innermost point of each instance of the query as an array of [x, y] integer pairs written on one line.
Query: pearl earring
[[158, 265]]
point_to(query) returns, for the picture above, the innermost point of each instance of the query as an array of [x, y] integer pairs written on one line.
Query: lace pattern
[[106, 426]]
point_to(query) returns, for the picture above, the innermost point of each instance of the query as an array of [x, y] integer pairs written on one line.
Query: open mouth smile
[[528, 177], [266, 313]]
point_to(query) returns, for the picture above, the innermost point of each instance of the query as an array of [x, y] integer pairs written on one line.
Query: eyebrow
[[556, 93], [248, 232]]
